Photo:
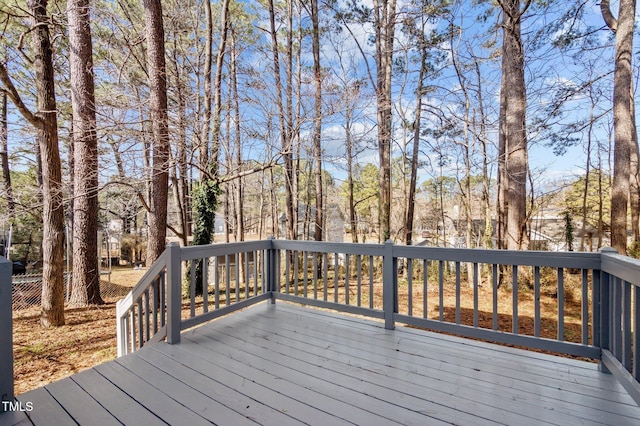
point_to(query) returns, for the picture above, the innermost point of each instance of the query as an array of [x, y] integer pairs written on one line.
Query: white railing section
[[595, 312], [6, 333], [166, 300]]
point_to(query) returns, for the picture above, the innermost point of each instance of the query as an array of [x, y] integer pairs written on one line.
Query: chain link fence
[[26, 289]]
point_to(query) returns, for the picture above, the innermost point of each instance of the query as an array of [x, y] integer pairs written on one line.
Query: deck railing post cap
[[389, 241], [608, 250]]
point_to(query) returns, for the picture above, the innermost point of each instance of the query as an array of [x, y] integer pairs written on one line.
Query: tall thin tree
[[86, 273], [45, 122], [156, 69], [623, 118]]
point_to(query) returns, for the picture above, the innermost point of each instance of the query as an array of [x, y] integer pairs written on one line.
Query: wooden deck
[[286, 365]]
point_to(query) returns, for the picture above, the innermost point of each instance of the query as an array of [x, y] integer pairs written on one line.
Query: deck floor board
[[429, 382], [285, 364]]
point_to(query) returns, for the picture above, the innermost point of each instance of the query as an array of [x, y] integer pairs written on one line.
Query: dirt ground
[[42, 356], [89, 337]]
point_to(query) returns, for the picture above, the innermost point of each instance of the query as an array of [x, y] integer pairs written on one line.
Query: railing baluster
[[336, 282], [346, 279], [247, 275], [237, 257], [606, 298], [617, 318], [585, 307], [140, 324], [147, 315], [514, 293], [636, 334], [227, 280], [132, 320], [155, 305], [205, 284], [425, 289], [305, 267], [256, 261], [371, 294], [359, 266], [325, 264], [441, 288], [596, 294], [410, 285], [286, 271], [561, 304], [457, 292], [315, 275], [475, 294], [192, 288], [216, 282], [163, 299], [296, 272], [536, 301], [494, 286], [626, 325]]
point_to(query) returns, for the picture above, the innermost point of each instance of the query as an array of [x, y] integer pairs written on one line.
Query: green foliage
[[205, 203], [568, 230], [575, 194], [634, 249]]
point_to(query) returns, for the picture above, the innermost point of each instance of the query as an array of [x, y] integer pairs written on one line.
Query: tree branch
[[609, 19], [11, 91]]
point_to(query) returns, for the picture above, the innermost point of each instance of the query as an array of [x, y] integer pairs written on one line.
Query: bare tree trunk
[[488, 225], [4, 156], [623, 119], [384, 27], [634, 187], [86, 271], [52, 313], [317, 128], [587, 175], [513, 136], [284, 128], [415, 153], [206, 121], [159, 121]]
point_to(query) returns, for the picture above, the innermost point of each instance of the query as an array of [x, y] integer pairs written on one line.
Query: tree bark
[[4, 156], [156, 68], [623, 119], [317, 127], [52, 303], [384, 26], [206, 121], [513, 135], [86, 271]]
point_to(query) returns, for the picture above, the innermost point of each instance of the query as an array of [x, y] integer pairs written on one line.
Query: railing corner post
[[389, 287], [6, 334], [174, 286]]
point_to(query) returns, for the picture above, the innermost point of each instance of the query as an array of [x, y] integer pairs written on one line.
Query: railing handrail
[[623, 267], [6, 333]]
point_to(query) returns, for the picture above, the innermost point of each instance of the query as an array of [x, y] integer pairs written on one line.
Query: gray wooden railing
[[403, 284], [6, 334]]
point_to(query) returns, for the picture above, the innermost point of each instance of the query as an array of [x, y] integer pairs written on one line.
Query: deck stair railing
[[448, 290]]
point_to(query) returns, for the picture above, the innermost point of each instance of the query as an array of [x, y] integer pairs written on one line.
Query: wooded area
[[419, 121]]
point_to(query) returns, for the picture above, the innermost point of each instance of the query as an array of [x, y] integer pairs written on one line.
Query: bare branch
[[11, 91], [609, 19]]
